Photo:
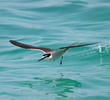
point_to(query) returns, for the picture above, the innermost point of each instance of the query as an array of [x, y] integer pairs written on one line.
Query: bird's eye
[[48, 54]]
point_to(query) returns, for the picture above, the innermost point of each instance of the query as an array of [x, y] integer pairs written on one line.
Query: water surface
[[85, 73]]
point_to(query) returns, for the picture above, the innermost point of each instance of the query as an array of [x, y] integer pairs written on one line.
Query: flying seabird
[[50, 54]]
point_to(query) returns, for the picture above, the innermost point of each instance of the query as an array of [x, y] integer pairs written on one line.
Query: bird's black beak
[[42, 58]]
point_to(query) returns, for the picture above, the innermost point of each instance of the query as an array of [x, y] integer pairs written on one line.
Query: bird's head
[[44, 56]]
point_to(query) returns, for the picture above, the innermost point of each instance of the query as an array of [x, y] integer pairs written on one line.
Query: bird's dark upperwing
[[73, 46], [26, 46]]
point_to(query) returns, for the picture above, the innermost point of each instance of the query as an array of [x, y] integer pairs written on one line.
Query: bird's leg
[[61, 60]]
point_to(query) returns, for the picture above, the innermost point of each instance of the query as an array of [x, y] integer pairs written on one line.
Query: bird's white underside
[[56, 55]]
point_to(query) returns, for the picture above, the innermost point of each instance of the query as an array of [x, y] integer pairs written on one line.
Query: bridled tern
[[50, 54]]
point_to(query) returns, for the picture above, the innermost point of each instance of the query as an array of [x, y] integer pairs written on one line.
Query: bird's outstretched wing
[[73, 46], [26, 46]]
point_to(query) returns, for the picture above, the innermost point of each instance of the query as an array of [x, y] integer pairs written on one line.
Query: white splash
[[99, 47]]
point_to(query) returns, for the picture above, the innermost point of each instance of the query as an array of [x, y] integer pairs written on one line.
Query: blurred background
[[85, 73]]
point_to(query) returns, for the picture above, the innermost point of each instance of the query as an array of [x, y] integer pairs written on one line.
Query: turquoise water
[[85, 72]]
